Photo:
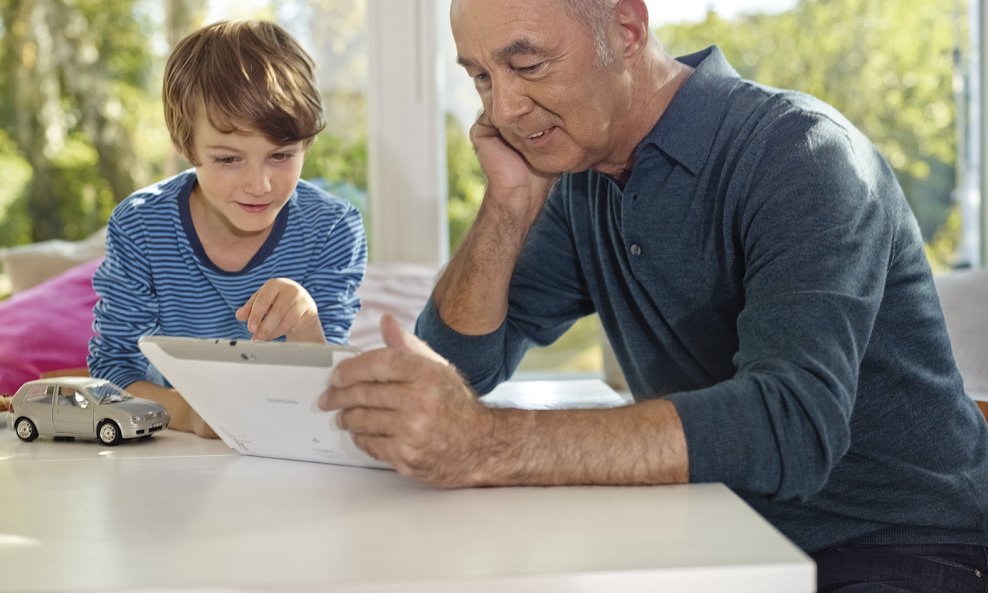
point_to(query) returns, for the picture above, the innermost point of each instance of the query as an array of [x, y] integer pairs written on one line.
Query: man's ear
[[632, 18]]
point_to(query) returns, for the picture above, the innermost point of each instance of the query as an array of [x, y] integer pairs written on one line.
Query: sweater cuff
[[727, 441], [472, 353]]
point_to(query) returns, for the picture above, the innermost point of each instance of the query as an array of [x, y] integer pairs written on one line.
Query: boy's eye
[[282, 156], [225, 160]]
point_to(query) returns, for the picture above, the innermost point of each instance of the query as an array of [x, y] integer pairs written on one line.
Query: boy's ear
[[182, 154]]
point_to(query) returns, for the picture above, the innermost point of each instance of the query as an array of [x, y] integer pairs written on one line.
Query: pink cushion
[[47, 327]]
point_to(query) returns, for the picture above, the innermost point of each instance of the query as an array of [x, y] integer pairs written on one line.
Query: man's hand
[[405, 405], [282, 307], [510, 177]]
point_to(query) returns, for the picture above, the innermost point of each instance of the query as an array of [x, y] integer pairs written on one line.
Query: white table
[[181, 513]]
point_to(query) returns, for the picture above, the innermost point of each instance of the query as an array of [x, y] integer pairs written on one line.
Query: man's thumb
[[399, 339]]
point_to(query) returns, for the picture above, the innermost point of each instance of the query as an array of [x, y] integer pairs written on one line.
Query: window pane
[[890, 66]]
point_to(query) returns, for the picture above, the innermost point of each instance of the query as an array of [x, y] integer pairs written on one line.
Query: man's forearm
[[472, 293], [639, 444]]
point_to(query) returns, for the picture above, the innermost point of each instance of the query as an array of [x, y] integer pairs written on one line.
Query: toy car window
[[71, 397], [108, 393], [38, 395]]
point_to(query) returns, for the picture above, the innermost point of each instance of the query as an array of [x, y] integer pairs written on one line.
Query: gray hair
[[596, 15]]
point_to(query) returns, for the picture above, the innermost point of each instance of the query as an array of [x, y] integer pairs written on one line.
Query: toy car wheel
[[26, 429], [109, 433]]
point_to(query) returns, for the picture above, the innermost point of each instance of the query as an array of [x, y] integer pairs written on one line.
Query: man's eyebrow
[[516, 48]]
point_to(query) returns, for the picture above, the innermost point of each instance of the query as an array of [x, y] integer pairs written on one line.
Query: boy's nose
[[258, 182]]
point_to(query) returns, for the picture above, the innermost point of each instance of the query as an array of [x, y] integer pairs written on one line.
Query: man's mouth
[[538, 134]]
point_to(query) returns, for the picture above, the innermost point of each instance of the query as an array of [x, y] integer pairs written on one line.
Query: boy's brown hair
[[248, 76]]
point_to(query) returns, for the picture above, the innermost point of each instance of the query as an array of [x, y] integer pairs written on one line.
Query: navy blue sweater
[[762, 270]]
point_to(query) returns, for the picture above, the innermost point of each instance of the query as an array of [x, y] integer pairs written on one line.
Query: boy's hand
[[282, 308], [184, 418]]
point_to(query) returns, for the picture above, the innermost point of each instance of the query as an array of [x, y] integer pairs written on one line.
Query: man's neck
[[661, 78]]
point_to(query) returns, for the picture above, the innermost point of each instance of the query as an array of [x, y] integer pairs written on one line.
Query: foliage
[[86, 199], [466, 182], [16, 173], [84, 129], [339, 159], [888, 65], [74, 71], [940, 249]]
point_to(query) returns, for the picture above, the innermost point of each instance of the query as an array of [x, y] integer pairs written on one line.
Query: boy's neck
[[227, 247]]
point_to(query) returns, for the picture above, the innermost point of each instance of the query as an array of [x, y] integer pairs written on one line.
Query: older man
[[757, 269]]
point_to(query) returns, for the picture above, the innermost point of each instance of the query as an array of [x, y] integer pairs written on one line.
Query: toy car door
[[73, 413]]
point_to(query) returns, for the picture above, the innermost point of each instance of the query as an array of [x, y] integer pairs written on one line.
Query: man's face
[[541, 83], [243, 178]]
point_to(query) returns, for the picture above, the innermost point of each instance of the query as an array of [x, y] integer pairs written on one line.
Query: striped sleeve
[[127, 308], [334, 281]]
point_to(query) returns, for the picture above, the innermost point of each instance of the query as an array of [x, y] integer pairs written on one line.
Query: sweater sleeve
[[547, 295], [817, 242], [128, 305]]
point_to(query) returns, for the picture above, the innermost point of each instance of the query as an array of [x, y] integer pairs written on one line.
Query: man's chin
[[548, 164]]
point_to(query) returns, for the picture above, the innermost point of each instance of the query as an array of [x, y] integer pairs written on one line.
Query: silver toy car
[[82, 407]]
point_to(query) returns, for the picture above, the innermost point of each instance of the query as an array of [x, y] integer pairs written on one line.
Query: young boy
[[237, 247]]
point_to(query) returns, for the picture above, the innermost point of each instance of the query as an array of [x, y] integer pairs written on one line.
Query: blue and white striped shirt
[[157, 279]]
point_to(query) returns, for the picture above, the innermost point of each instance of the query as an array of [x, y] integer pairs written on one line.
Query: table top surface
[[179, 512]]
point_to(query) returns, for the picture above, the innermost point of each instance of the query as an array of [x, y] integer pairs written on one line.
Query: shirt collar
[[687, 129]]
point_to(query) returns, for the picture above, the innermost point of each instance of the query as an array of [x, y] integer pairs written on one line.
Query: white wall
[[406, 140]]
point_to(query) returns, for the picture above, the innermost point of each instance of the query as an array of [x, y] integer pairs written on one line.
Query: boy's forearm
[[183, 417]]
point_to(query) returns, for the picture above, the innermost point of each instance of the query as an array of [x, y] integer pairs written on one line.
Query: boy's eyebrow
[[233, 149], [223, 147], [518, 47]]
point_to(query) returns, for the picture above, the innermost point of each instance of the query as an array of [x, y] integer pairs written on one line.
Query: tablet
[[260, 397]]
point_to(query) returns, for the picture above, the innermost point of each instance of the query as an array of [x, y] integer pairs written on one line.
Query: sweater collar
[[688, 128]]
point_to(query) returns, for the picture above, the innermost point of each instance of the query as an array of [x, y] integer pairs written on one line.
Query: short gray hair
[[596, 15]]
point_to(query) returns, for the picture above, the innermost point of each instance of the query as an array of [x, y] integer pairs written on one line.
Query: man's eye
[[530, 69]]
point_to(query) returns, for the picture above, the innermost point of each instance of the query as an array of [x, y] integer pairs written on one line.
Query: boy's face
[[243, 179]]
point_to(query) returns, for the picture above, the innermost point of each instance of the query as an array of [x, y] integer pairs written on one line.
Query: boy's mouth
[[253, 207]]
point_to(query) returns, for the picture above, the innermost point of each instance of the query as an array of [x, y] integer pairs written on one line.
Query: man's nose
[[508, 102]]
